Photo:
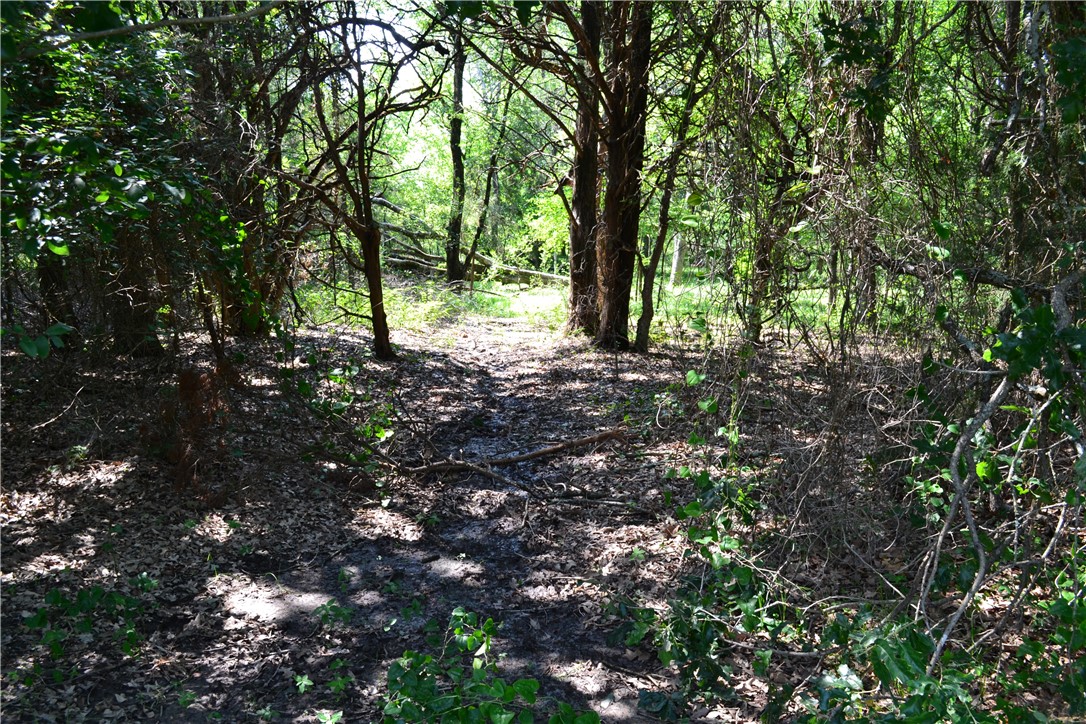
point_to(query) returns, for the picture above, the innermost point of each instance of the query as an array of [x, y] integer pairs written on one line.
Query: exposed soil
[[233, 614], [227, 598]]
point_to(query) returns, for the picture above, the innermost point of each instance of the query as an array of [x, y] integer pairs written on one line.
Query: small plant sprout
[[344, 579], [331, 612]]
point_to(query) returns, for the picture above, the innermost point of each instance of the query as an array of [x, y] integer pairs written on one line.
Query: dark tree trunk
[[584, 314], [628, 67], [371, 261], [454, 267], [370, 240]]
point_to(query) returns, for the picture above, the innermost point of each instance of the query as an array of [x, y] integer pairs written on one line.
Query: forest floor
[[126, 599]]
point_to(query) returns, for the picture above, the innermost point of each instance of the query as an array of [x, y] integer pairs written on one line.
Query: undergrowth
[[988, 621]]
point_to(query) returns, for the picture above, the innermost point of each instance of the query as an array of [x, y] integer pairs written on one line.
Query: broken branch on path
[[448, 465]]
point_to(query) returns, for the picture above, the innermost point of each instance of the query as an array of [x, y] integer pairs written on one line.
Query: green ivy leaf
[[464, 8], [694, 378], [690, 510], [526, 689], [986, 470]]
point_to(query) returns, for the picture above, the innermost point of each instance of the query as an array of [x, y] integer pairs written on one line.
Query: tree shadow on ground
[[226, 604]]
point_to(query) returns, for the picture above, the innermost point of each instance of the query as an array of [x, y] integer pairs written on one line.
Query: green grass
[[424, 306], [427, 305]]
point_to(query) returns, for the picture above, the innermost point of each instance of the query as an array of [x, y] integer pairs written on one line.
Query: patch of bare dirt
[[124, 598]]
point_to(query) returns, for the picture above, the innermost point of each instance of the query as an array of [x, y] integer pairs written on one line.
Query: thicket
[[902, 177]]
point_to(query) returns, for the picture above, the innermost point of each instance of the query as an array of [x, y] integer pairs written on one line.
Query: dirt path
[[225, 606]]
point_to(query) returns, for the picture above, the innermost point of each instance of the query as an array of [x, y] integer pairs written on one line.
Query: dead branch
[[513, 459], [483, 466]]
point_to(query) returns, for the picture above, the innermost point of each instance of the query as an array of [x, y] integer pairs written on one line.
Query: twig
[[961, 490], [62, 414]]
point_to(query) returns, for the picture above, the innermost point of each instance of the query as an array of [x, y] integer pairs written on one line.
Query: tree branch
[[140, 27]]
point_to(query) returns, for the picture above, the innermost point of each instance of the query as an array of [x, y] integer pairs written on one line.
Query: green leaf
[[95, 17], [943, 229], [986, 470], [26, 344], [524, 9], [58, 249], [42, 344], [102, 197], [709, 406], [526, 689], [464, 8], [690, 510], [179, 194], [694, 378]]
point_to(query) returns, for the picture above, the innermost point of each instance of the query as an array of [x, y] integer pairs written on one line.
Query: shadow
[[305, 573]]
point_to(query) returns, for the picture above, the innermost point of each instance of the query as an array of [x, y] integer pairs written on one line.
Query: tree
[[583, 207], [453, 266], [680, 138]]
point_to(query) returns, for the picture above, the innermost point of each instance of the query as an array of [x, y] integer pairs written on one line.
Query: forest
[[531, 360]]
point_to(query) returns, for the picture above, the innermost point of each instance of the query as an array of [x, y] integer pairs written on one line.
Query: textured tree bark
[[630, 31], [454, 267], [584, 313]]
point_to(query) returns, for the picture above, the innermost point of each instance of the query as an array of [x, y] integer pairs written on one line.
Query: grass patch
[[424, 306]]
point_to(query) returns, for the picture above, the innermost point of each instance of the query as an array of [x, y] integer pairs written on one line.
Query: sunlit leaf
[[693, 377]]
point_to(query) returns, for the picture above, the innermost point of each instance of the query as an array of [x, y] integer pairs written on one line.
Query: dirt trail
[[234, 613]]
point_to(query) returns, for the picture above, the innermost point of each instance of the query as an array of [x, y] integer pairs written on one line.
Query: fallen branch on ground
[[448, 465]]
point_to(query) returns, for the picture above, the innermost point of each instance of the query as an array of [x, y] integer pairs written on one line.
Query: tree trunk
[[370, 239], [454, 268], [641, 342], [628, 68], [584, 313], [676, 277], [371, 261]]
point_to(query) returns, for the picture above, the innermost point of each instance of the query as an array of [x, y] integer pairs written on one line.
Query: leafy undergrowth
[[741, 552]]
